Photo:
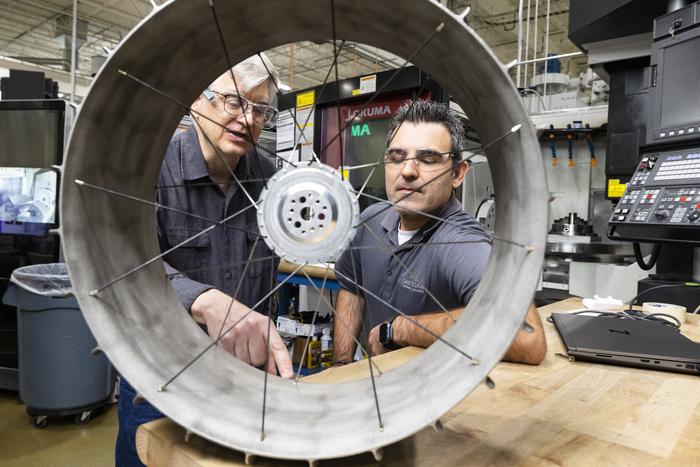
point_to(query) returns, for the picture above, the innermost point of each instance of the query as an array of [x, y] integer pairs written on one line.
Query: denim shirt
[[217, 258]]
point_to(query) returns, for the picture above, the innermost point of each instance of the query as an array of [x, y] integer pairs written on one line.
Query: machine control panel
[[664, 192]]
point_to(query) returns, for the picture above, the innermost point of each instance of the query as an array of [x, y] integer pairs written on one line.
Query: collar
[[390, 223], [192, 163]]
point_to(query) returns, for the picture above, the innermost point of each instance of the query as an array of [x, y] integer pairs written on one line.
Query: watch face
[[385, 333]]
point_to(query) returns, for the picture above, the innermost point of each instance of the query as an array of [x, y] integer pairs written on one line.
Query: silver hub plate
[[308, 214]]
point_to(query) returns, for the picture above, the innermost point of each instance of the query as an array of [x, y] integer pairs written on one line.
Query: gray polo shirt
[[451, 271], [213, 260]]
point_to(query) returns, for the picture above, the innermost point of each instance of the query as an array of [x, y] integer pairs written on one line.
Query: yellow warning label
[[615, 188], [345, 173], [306, 98], [356, 92]]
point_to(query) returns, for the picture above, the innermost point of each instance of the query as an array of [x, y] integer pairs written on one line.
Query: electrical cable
[[483, 201], [644, 292], [630, 313], [640, 259]]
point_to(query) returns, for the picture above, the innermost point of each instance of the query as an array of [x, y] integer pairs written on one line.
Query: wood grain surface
[[557, 413], [318, 272]]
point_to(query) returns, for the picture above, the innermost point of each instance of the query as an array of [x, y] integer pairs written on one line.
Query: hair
[[254, 71], [422, 111]]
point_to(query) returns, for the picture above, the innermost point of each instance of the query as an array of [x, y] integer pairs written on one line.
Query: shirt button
[[228, 275], [388, 272]]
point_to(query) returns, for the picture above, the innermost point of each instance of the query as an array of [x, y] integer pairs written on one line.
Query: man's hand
[[247, 340], [375, 346]]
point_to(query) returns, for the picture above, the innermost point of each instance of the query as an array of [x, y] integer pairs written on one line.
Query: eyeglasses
[[235, 105], [423, 158]]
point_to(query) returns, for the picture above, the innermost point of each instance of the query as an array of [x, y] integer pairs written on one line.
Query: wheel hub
[[308, 214]]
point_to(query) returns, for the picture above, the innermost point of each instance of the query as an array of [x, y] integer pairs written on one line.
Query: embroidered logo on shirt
[[411, 284]]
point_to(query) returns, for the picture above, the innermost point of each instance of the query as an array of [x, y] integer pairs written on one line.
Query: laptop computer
[[627, 342]]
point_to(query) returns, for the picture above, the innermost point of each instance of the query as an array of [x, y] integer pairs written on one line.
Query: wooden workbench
[[318, 272], [557, 413]]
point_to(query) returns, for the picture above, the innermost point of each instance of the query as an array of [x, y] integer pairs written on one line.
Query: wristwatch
[[386, 336]]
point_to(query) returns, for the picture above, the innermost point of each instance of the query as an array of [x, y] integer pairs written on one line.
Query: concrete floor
[[61, 443]]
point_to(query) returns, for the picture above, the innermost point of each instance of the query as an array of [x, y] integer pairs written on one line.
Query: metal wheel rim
[[140, 323]]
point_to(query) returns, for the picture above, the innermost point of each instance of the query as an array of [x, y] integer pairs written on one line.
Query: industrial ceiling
[[38, 32]]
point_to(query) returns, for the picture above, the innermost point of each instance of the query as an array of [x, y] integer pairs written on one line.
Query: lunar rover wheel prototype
[[118, 143]]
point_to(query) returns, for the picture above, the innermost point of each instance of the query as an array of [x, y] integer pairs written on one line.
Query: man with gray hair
[[215, 171], [420, 253]]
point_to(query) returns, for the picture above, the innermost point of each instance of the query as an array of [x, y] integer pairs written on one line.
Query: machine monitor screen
[[363, 141], [680, 84], [27, 200], [32, 133]]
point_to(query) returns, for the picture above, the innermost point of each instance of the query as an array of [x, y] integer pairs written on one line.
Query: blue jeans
[[130, 417]]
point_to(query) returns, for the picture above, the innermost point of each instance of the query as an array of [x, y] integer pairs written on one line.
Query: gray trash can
[[58, 374]]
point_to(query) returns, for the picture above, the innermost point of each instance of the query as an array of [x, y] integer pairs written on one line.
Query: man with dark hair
[[395, 260]]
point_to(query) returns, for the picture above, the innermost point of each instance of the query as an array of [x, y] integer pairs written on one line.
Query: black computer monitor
[[31, 143], [674, 112]]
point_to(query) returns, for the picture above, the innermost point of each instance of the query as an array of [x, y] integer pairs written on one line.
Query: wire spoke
[[315, 104], [380, 159], [325, 82], [366, 330], [82, 183], [293, 114], [313, 320], [337, 91], [341, 321], [489, 237], [205, 184], [216, 341], [228, 167], [238, 92], [238, 286], [388, 81], [388, 249], [514, 129], [364, 166], [364, 185], [418, 245], [389, 204], [411, 320], [94, 292], [190, 110], [267, 355]]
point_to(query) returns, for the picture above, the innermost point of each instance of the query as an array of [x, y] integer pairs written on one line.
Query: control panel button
[[693, 215], [661, 214]]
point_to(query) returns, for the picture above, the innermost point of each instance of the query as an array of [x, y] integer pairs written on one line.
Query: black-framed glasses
[[423, 158], [235, 104]]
